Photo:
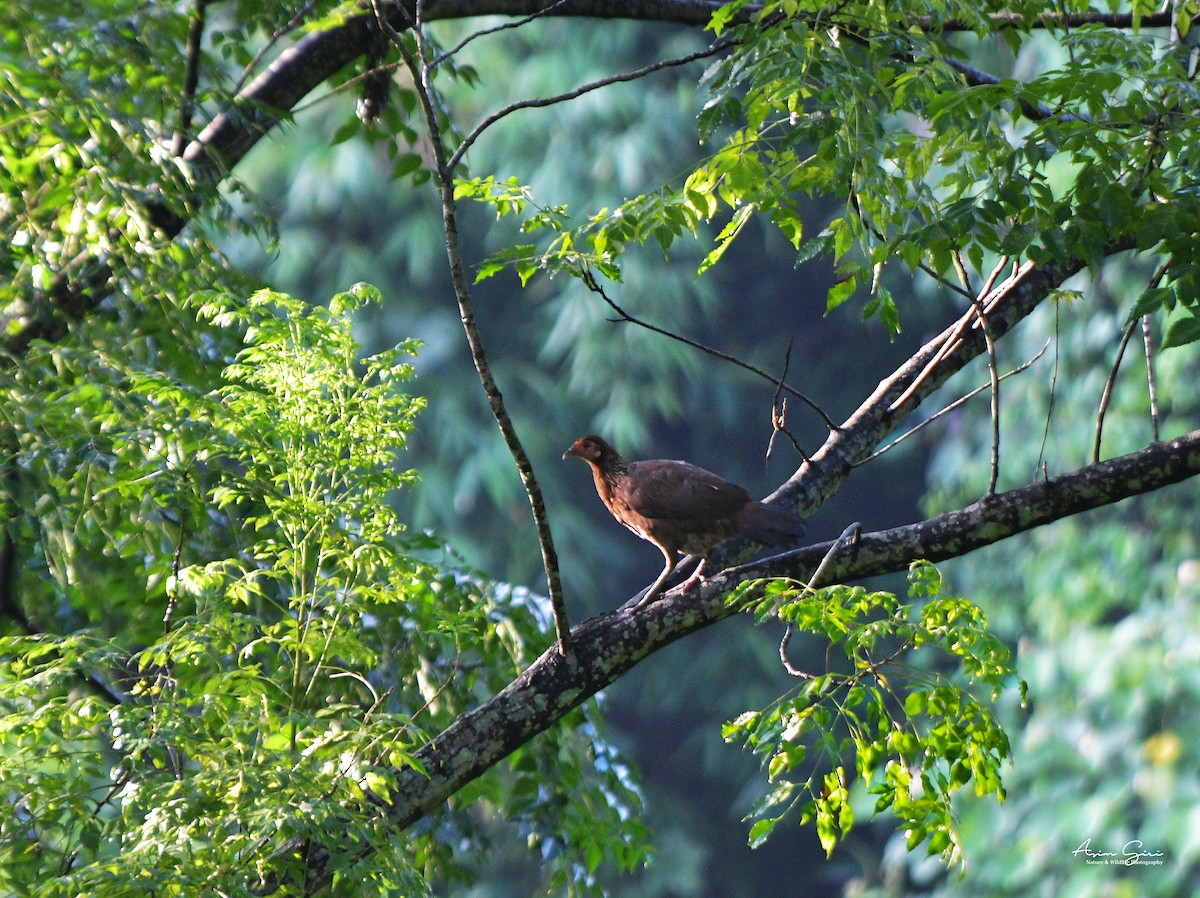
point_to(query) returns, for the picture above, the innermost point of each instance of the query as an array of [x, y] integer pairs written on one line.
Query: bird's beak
[[567, 454]]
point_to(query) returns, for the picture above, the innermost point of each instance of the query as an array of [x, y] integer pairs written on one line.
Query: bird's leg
[[657, 584]]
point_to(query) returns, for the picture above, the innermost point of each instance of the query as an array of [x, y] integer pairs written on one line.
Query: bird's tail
[[770, 526]]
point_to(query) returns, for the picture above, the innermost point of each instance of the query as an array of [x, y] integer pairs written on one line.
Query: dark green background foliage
[[260, 551]]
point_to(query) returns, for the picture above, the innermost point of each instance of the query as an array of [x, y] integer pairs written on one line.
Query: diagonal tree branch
[[300, 69], [608, 645], [821, 476], [266, 102]]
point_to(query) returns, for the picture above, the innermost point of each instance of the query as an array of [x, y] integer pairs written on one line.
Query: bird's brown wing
[[660, 488]]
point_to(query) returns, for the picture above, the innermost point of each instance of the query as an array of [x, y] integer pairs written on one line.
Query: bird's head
[[591, 449]]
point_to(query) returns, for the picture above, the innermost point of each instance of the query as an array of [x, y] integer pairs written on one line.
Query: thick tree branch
[[191, 78], [314, 59], [267, 101], [608, 645]]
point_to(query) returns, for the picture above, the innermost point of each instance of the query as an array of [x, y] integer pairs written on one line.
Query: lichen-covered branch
[[608, 645]]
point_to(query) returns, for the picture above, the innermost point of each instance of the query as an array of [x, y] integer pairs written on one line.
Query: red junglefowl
[[680, 507]]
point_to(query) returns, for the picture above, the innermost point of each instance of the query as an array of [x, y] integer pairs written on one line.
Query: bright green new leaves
[[331, 454], [264, 710], [911, 734], [510, 197], [286, 648]]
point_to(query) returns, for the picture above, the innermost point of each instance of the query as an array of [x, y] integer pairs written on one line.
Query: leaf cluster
[[307, 645], [916, 736], [940, 170]]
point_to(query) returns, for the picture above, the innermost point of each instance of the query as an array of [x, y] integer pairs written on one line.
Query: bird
[[680, 507]]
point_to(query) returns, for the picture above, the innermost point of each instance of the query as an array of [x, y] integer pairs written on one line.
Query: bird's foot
[[695, 579]]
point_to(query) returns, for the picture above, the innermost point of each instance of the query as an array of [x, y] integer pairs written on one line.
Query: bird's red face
[[588, 448]]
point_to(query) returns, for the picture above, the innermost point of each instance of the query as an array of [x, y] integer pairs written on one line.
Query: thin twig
[[1108, 389], [590, 282], [924, 267], [949, 344], [1151, 381], [335, 90], [952, 406], [421, 71], [779, 412], [849, 535], [171, 594], [1041, 462], [505, 26], [993, 371], [287, 29], [1148, 348], [954, 338], [1033, 111], [990, 281], [540, 102]]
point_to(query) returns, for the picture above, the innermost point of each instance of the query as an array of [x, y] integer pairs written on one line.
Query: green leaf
[[406, 164], [761, 830], [840, 292], [1181, 332], [726, 237]]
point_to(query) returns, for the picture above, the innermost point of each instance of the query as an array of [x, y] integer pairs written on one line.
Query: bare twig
[[953, 338], [997, 269], [592, 284], [384, 68], [993, 371], [924, 267], [175, 572], [849, 536], [1108, 388], [505, 26], [779, 412], [287, 29], [952, 406], [1041, 462], [421, 70], [541, 102], [1151, 383]]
